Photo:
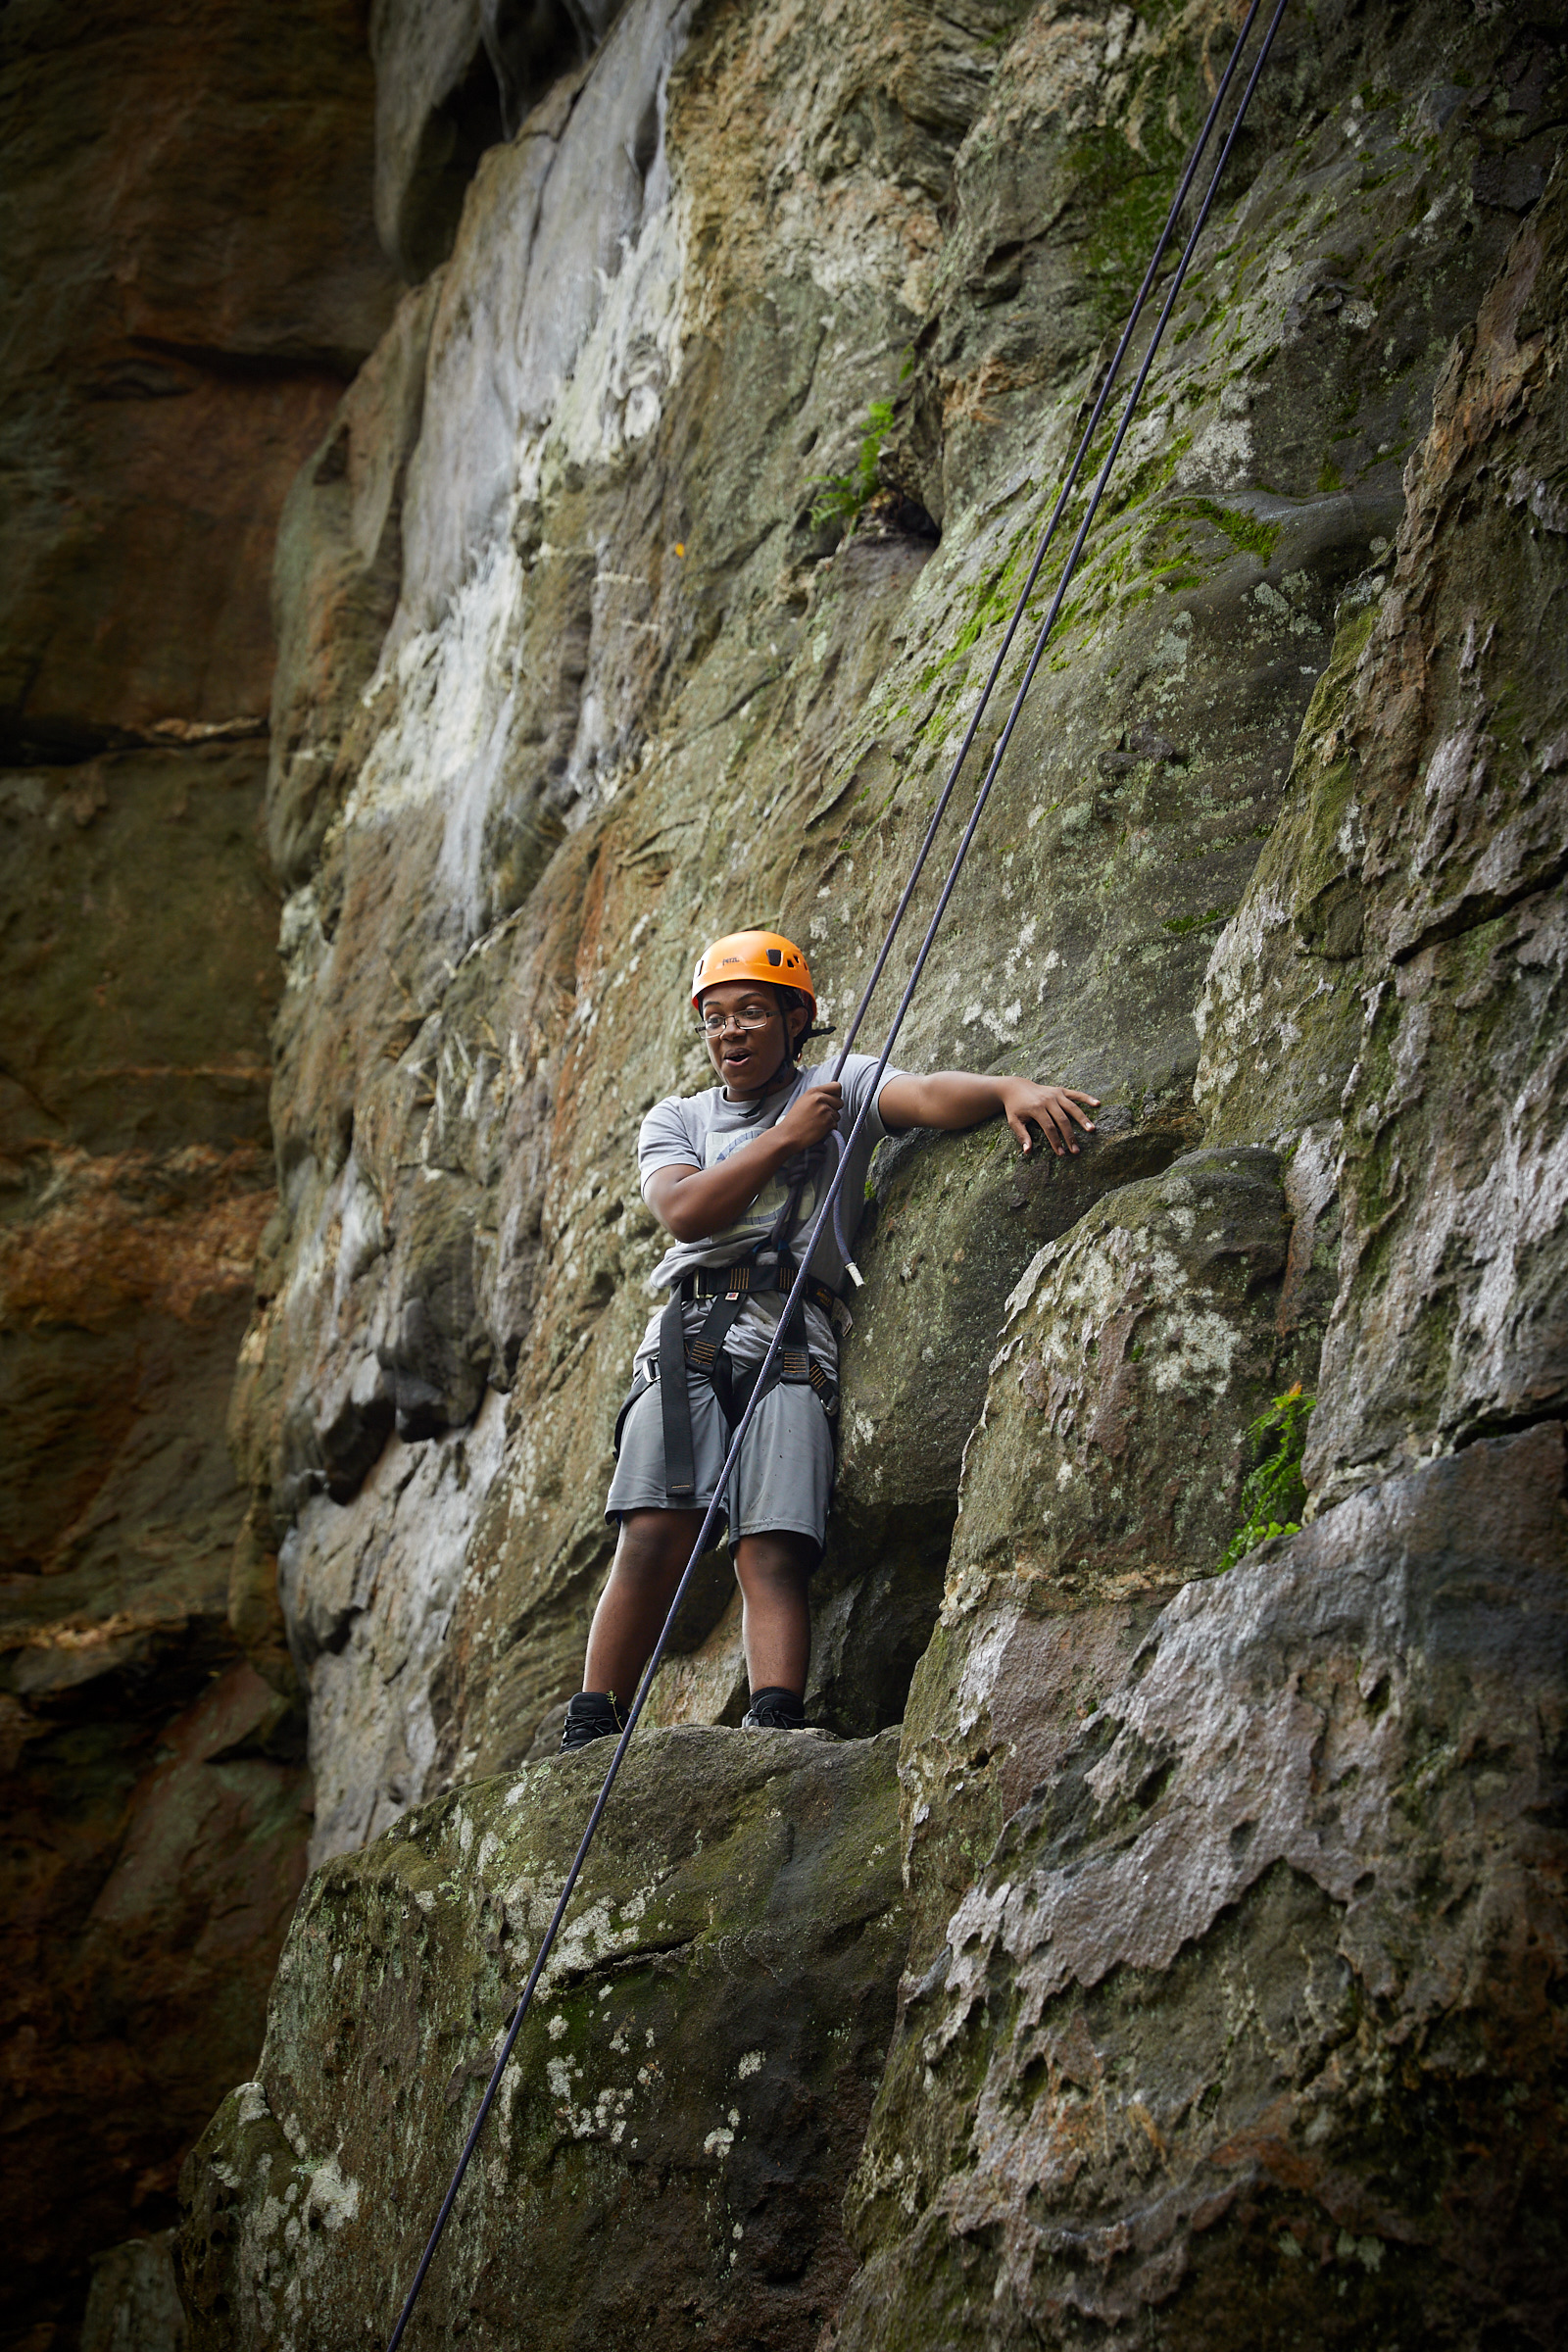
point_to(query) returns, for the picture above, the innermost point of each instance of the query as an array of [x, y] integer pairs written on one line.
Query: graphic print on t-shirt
[[703, 1130], [760, 1216]]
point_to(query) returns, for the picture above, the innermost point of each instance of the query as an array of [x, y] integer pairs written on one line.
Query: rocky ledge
[[1196, 1977], [675, 2131]]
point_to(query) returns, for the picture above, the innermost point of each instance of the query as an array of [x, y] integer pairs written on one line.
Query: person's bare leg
[[774, 1572], [652, 1549]]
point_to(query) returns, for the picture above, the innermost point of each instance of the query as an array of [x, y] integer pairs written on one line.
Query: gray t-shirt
[[703, 1130]]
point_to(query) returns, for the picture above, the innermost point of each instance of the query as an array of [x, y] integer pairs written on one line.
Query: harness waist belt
[[746, 1281]]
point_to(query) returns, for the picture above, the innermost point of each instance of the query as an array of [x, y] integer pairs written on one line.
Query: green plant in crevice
[[1273, 1495], [842, 495]]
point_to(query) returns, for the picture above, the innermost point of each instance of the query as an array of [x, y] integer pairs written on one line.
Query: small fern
[[1273, 1495], [842, 495]]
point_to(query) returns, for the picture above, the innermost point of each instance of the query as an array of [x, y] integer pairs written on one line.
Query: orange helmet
[[754, 956]]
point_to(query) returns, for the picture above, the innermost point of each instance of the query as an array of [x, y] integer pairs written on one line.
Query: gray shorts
[[782, 1482]]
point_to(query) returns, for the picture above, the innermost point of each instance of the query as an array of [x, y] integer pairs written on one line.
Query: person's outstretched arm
[[955, 1098]]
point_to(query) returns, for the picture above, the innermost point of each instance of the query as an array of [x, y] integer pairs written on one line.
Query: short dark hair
[[789, 999]]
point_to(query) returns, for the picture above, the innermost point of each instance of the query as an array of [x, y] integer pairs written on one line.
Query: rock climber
[[734, 1175]]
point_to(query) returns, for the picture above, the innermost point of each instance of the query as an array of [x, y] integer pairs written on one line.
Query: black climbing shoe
[[592, 1715], [774, 1710]]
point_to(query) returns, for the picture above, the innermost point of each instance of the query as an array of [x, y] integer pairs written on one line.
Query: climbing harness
[[801, 1276], [734, 1385]]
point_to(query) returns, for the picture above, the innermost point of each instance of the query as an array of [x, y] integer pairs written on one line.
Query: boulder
[[951, 1218], [134, 2304], [1105, 1472], [673, 2134]]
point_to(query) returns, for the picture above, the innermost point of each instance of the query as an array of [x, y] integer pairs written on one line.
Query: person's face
[[745, 1032]]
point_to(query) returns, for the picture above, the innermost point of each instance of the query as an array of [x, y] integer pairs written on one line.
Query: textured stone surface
[[1111, 1442], [1455, 1180], [368, 1592], [152, 1781], [1395, 977], [336, 577], [672, 2138], [189, 274], [1359, 981], [121, 1048], [155, 1850], [616, 621], [451, 81], [134, 2304], [569, 676], [1250, 2031], [1104, 1471], [953, 1216]]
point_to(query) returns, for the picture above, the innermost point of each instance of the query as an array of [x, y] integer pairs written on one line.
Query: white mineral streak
[[987, 1646], [316, 2196], [558, 331], [369, 1587]]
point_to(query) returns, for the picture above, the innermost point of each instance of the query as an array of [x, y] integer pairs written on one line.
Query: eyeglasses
[[749, 1016]]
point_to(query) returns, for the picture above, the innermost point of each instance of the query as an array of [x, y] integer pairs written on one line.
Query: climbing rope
[[828, 1207]]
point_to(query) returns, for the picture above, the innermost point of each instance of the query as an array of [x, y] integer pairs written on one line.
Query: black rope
[[1056, 513], [825, 1212]]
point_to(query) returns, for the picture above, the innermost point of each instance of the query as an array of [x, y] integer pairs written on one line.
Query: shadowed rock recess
[[1219, 2000], [189, 278]]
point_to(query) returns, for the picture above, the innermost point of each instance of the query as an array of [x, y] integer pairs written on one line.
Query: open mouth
[[737, 1061]]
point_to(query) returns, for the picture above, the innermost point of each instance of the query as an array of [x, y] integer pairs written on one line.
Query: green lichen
[[1244, 530], [1198, 922]]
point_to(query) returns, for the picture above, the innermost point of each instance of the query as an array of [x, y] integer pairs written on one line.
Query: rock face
[[1228, 1925], [1069, 2139], [189, 276], [1410, 922], [1105, 1472], [674, 2133], [1246, 2031], [628, 692], [451, 81]]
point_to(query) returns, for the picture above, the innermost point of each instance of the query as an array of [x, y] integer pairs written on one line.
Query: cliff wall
[[188, 276], [569, 679], [1219, 1998]]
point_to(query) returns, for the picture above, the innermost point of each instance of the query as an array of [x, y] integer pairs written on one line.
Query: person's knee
[[775, 1562], [650, 1548]]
